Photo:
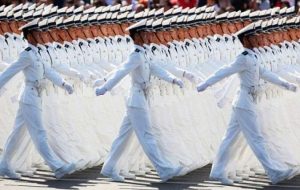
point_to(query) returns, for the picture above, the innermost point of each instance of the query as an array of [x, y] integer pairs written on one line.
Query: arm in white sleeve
[[53, 76], [66, 70], [106, 66], [132, 63], [23, 61], [178, 72], [272, 77], [237, 66], [161, 73], [289, 76]]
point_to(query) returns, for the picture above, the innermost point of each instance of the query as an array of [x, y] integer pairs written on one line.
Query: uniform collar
[[250, 51], [274, 46], [9, 34], [34, 48], [147, 47], [41, 46], [100, 39], [83, 41], [92, 40], [56, 44], [262, 50], [175, 42], [268, 48], [49, 44], [18, 36], [171, 44], [255, 50], [68, 43], [155, 45], [140, 48], [162, 46], [75, 42]]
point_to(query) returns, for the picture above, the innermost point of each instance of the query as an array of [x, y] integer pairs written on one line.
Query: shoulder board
[[28, 49], [137, 50], [245, 53]]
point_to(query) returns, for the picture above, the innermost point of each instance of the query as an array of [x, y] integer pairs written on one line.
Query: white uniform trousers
[[30, 117], [137, 120], [244, 121]]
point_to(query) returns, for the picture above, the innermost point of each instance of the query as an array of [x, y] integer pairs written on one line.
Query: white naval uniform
[[29, 115], [4, 49], [244, 117], [137, 119]]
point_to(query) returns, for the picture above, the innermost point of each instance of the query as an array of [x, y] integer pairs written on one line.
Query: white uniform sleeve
[[178, 72], [66, 70], [132, 63], [161, 73], [271, 77], [53, 76], [237, 66], [23, 61], [289, 76], [106, 66]]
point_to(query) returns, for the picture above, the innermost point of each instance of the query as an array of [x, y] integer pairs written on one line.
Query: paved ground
[[91, 180]]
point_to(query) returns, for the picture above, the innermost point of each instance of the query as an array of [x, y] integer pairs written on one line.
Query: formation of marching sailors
[[167, 127]]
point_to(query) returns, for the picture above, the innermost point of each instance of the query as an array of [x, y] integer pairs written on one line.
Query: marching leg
[[250, 128], [224, 152], [12, 144], [142, 126], [118, 146]]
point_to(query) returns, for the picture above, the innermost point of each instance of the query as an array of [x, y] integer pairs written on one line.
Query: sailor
[[244, 118], [30, 109], [137, 119]]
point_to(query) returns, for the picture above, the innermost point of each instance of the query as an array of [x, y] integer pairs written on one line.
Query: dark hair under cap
[[133, 29], [33, 25], [245, 31]]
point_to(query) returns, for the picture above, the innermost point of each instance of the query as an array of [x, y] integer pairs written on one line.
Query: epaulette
[[245, 53], [137, 50], [28, 49]]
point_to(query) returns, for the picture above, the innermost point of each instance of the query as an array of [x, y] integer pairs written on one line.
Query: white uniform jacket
[[35, 71], [141, 71], [249, 71]]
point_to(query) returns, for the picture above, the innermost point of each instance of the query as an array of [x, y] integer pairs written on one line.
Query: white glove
[[202, 86], [100, 91], [178, 82], [99, 82], [68, 88], [190, 76], [290, 86]]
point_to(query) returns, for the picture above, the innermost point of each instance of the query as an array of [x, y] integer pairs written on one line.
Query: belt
[[252, 90], [144, 87], [38, 85]]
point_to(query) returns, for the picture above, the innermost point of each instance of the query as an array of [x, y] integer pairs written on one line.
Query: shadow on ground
[[91, 179]]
